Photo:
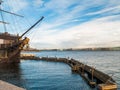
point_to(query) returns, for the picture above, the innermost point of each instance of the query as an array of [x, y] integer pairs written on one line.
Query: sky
[[68, 23]]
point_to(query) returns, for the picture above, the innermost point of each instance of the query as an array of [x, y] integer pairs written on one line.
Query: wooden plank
[[107, 87]]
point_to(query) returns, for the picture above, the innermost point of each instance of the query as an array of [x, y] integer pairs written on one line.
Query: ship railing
[[2, 46], [6, 33], [5, 46], [7, 36]]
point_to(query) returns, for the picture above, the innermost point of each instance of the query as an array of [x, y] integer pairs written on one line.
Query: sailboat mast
[[4, 24]]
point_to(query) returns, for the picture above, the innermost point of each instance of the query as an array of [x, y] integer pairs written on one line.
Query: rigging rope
[[17, 25], [11, 19], [4, 25]]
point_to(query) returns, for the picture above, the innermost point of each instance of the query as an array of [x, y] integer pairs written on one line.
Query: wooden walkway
[[92, 76]]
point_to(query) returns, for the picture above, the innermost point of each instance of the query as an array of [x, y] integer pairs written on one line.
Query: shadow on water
[[41, 75], [11, 73]]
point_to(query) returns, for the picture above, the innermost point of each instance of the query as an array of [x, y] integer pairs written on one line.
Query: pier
[[7, 86], [94, 77]]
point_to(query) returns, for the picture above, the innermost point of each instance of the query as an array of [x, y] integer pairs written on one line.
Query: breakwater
[[93, 77]]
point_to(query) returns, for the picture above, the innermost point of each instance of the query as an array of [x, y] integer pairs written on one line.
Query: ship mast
[[1, 12], [4, 24]]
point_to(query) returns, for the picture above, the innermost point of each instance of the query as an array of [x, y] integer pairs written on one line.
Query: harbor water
[[42, 75]]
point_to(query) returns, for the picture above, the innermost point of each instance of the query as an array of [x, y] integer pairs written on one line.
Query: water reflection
[[105, 61], [11, 73], [40, 75]]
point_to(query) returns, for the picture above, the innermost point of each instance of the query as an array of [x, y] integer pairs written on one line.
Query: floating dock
[[94, 77], [7, 86]]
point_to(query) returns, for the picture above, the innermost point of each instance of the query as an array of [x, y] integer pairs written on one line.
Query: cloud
[[17, 5], [73, 23], [38, 3], [114, 9], [64, 13], [59, 6], [100, 31], [96, 33]]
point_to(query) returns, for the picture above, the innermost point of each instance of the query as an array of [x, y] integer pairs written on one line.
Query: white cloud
[[111, 10], [59, 6], [96, 33], [64, 15], [38, 3], [16, 5]]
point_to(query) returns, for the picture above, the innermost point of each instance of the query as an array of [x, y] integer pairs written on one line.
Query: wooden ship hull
[[11, 47], [13, 59]]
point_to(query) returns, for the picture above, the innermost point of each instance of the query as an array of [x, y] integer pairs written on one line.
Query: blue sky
[[69, 23]]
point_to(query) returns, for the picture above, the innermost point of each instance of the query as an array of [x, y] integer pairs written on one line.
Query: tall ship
[[10, 44]]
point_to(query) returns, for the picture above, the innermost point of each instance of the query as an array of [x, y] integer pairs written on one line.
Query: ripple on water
[[40, 75]]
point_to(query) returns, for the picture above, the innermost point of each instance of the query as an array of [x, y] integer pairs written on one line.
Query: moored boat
[[11, 45]]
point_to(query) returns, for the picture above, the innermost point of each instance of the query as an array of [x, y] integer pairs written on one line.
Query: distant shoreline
[[72, 49], [85, 49], [33, 50], [79, 50]]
